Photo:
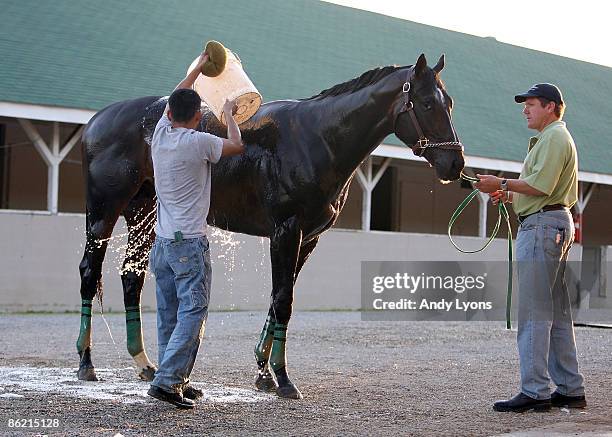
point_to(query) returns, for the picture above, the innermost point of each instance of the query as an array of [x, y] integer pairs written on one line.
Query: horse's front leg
[[265, 380], [284, 253]]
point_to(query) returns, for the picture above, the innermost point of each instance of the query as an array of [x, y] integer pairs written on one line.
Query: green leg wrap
[[84, 340], [264, 346], [133, 326], [278, 358]]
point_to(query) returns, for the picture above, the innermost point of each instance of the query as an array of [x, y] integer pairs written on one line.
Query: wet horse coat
[[290, 186]]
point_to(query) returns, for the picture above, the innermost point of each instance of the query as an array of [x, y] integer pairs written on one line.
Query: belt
[[555, 207]]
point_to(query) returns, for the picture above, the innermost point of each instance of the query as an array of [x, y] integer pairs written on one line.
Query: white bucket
[[232, 83]]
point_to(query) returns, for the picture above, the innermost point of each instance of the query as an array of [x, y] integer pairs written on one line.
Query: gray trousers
[[545, 337]]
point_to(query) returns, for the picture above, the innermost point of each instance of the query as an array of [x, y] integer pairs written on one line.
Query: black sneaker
[[174, 398], [192, 393], [559, 400], [521, 403]]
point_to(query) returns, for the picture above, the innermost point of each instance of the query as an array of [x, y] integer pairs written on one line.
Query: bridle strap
[[422, 143], [417, 126]]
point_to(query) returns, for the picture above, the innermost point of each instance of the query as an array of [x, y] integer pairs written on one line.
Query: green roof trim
[[86, 54]]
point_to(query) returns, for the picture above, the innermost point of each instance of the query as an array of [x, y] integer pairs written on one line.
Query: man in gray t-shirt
[[180, 257], [182, 161]]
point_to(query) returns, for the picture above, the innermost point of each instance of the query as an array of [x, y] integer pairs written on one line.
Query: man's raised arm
[[233, 145], [191, 77]]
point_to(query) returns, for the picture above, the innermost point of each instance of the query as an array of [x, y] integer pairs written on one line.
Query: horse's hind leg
[[140, 218], [99, 227]]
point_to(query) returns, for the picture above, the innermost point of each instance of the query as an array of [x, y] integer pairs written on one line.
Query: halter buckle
[[420, 146], [406, 87]]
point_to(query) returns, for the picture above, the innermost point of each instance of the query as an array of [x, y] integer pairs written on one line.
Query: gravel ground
[[358, 378]]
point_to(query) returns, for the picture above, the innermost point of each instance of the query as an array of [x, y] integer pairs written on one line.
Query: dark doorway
[[382, 201], [5, 166]]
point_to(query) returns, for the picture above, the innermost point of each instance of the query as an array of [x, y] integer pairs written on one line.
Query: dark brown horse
[[290, 186]]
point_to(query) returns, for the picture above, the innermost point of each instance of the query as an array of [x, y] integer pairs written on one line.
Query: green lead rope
[[503, 212]]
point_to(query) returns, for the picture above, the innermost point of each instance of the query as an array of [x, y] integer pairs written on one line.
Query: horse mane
[[368, 78]]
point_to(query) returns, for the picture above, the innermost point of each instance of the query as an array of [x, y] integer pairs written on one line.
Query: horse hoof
[[147, 374], [289, 392], [87, 374], [266, 383]]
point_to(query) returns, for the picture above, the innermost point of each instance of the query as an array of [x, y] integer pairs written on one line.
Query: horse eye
[[427, 106]]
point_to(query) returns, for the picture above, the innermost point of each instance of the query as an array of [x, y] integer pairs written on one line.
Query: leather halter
[[422, 143]]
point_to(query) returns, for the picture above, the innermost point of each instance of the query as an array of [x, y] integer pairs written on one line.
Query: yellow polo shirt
[[551, 166]]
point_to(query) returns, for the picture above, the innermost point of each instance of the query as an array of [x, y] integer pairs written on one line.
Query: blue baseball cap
[[546, 90]]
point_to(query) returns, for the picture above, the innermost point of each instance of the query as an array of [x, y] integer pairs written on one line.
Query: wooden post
[[53, 157], [367, 183]]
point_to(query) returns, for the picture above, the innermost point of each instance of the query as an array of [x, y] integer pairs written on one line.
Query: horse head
[[422, 119]]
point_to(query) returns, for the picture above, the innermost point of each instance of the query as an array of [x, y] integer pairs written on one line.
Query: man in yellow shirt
[[542, 195]]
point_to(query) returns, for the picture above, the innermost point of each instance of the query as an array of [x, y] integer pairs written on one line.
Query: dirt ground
[[357, 378]]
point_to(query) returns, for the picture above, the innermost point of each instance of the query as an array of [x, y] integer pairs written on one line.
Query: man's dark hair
[[184, 103], [559, 107]]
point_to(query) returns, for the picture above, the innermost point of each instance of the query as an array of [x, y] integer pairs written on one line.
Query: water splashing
[[133, 246], [227, 247], [130, 249], [110, 334]]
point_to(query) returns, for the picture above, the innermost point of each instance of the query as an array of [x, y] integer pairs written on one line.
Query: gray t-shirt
[[182, 161]]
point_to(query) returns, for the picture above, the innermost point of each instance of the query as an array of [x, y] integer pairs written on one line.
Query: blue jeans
[[182, 274], [546, 344]]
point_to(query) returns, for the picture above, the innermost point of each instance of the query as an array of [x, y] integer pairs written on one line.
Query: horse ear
[[420, 65], [440, 65]]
